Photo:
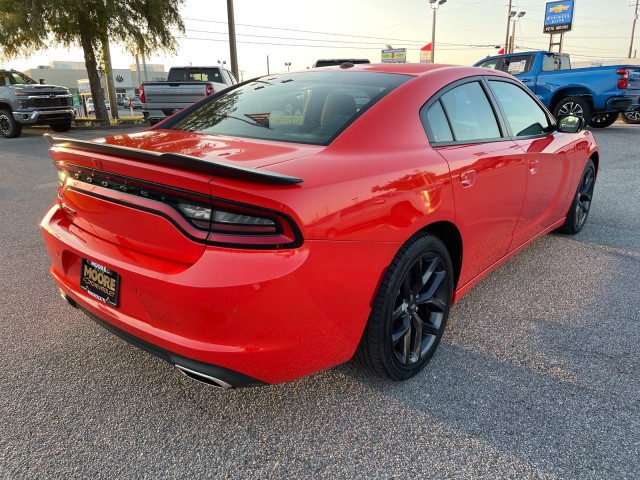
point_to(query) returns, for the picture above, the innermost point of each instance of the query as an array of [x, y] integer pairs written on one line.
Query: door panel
[[488, 188], [547, 185]]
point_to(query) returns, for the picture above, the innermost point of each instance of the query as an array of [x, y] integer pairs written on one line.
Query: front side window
[[518, 64], [524, 115], [470, 113], [309, 107], [15, 78]]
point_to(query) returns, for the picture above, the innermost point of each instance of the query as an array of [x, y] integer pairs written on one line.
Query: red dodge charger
[[295, 221]]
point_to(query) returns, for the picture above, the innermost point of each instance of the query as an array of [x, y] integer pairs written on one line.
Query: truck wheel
[[603, 120], [61, 127], [631, 117], [9, 128], [578, 106]]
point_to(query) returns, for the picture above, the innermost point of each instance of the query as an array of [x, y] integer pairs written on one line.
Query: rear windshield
[[308, 107], [194, 75]]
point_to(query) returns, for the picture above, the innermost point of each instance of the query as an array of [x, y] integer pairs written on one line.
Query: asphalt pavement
[[536, 377]]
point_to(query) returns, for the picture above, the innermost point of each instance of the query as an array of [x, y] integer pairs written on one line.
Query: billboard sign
[[394, 55], [558, 16]]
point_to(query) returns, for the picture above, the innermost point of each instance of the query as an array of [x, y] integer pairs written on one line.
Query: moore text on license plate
[[100, 282]]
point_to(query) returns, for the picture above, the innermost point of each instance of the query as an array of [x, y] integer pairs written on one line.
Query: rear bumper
[[620, 104], [44, 117], [204, 372], [265, 316]]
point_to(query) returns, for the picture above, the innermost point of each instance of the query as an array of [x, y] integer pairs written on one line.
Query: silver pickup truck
[[184, 86], [23, 101]]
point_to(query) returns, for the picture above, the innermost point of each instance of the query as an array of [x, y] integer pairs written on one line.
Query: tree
[[140, 25]]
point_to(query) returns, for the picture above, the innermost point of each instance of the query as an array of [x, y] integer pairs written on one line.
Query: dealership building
[[73, 75]]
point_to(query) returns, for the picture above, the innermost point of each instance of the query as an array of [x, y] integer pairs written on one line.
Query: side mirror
[[41, 81], [570, 124]]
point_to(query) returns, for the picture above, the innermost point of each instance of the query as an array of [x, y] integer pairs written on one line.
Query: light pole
[[510, 13], [287, 64], [633, 28], [514, 19], [435, 5], [222, 63]]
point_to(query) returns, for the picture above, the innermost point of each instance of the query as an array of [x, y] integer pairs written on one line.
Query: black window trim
[[501, 117], [502, 127]]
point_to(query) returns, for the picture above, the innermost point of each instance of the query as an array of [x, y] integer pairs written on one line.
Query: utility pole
[[232, 39], [435, 5], [633, 28], [506, 40]]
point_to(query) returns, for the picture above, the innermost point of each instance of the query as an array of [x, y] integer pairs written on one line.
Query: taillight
[[209, 90], [141, 88], [623, 82], [237, 225], [216, 222]]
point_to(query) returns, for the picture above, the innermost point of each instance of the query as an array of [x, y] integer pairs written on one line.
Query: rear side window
[[555, 62], [194, 75], [470, 113], [438, 124]]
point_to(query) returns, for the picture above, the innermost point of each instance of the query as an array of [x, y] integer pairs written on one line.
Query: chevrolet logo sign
[[559, 9]]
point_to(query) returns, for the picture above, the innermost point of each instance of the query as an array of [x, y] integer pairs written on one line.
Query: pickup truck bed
[[184, 86]]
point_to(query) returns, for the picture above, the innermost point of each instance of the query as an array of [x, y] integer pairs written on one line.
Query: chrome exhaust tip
[[68, 299], [203, 378]]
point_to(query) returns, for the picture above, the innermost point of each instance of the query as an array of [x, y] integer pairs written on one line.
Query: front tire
[[410, 311], [603, 120], [577, 106], [579, 209], [9, 128], [61, 127]]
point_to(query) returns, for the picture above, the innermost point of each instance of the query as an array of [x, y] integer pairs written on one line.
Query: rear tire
[[581, 204], [410, 311], [631, 117], [603, 120], [61, 127], [9, 128], [578, 106]]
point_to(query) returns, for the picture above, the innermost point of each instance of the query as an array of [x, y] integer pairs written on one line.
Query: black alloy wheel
[[410, 312], [579, 209], [603, 120], [9, 128], [576, 106], [632, 117]]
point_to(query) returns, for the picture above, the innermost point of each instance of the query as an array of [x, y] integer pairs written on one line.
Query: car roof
[[417, 69]]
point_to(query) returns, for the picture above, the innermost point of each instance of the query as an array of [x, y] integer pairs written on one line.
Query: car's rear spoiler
[[178, 160]]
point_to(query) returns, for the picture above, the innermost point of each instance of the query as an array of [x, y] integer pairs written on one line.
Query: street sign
[[558, 16], [394, 55], [426, 54]]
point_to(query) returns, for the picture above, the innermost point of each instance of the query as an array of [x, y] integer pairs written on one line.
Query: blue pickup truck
[[598, 94]]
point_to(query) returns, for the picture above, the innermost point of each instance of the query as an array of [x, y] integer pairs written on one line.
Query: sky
[[270, 34]]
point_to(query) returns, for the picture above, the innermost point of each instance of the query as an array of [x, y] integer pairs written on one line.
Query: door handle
[[468, 178]]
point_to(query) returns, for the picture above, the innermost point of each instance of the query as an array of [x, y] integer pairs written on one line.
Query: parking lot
[[536, 377]]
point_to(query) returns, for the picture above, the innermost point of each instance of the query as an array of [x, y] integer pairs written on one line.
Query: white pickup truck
[[183, 86]]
